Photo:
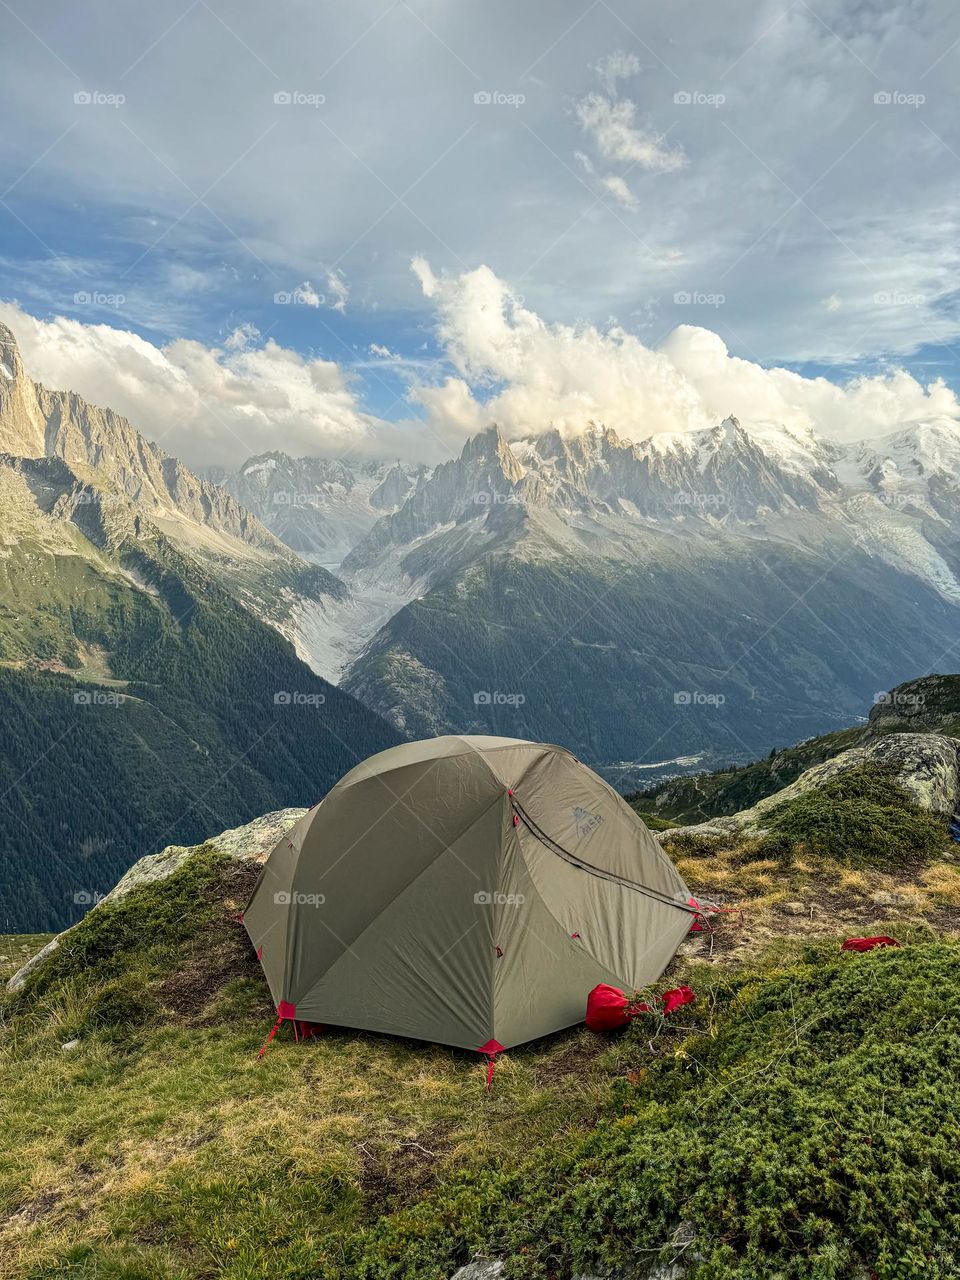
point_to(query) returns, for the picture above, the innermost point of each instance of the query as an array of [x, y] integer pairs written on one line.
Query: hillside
[[929, 704], [111, 461], [141, 701], [800, 1118]]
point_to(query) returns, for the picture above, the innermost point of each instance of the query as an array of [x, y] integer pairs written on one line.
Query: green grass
[[861, 818], [17, 948], [801, 1119]]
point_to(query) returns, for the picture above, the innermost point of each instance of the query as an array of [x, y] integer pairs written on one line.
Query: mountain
[[699, 594], [108, 455], [142, 693], [320, 508]]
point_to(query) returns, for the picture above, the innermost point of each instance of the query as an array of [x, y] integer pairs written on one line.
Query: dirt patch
[[393, 1176], [575, 1059], [221, 955]]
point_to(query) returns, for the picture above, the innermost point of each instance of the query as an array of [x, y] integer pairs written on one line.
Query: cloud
[[206, 404], [615, 66], [620, 191], [611, 125], [338, 291], [516, 369]]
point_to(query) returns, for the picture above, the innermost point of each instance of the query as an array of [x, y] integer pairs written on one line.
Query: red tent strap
[[286, 1012], [701, 921], [868, 944], [490, 1051], [276, 1028]]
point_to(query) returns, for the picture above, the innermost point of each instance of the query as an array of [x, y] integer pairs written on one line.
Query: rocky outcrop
[[924, 764], [252, 842]]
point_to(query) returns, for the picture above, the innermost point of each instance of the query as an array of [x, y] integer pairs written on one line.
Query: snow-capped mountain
[[780, 574], [318, 507]]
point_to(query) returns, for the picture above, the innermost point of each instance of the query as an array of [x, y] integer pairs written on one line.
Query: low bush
[[862, 818]]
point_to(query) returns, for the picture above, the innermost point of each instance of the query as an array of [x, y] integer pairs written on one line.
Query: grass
[[17, 948], [799, 1120], [162, 1147]]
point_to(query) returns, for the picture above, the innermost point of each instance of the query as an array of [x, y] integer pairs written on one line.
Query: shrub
[[862, 818], [811, 1127]]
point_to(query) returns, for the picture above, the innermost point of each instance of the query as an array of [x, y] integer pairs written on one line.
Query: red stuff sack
[[606, 1009], [676, 997]]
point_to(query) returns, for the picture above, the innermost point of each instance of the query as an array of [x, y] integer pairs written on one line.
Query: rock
[[70, 1046], [253, 841], [480, 1269], [19, 978], [794, 908]]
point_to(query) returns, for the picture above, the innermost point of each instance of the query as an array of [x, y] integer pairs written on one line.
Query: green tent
[[465, 890]]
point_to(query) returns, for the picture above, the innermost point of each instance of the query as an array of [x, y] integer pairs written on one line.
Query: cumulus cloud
[[526, 374], [204, 404]]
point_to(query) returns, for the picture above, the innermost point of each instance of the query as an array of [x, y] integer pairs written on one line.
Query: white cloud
[[337, 291], [611, 124], [620, 191], [538, 374], [616, 66], [204, 404]]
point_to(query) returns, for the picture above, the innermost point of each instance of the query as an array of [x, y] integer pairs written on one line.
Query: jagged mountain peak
[[11, 365]]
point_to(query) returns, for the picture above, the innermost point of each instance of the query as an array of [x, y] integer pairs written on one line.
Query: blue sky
[[784, 175]]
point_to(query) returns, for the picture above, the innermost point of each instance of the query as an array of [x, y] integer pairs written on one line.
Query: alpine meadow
[[479, 641]]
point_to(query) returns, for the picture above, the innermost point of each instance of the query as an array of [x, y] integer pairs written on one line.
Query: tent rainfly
[[468, 891]]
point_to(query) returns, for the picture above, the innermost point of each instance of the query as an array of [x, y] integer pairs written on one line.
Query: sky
[[377, 226]]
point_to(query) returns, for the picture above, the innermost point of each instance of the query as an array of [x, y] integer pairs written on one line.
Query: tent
[[468, 891]]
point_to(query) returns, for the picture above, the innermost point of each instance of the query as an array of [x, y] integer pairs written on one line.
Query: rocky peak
[[11, 366]]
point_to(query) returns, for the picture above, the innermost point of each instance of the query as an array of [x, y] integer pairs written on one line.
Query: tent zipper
[[592, 870]]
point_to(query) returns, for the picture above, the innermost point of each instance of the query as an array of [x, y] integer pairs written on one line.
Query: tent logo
[[586, 821], [296, 899], [487, 899]]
